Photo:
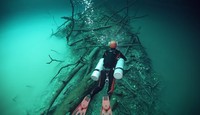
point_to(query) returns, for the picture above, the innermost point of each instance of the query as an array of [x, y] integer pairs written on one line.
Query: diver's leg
[[111, 83], [100, 84]]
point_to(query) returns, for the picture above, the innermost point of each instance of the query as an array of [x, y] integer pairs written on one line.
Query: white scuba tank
[[118, 73], [96, 73]]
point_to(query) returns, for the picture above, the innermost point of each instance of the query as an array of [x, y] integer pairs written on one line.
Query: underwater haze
[[24, 48], [170, 34]]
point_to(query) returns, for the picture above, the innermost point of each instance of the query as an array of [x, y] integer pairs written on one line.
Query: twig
[[81, 40], [146, 90], [15, 98], [137, 17], [132, 41], [89, 46], [76, 42], [94, 29], [123, 23], [156, 84], [55, 51], [131, 89], [58, 29], [118, 12], [127, 10], [52, 60], [61, 70], [72, 27], [55, 21], [128, 84], [81, 60], [68, 89], [127, 111], [66, 18], [53, 18], [137, 40], [62, 25]]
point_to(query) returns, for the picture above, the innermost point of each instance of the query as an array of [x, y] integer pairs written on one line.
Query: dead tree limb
[[156, 84], [138, 17], [52, 60], [94, 29], [72, 22], [59, 90], [119, 12], [124, 22], [69, 77], [58, 29], [125, 108], [55, 51], [67, 18], [132, 40], [61, 70], [79, 61], [129, 85], [71, 44], [71, 100], [130, 89]]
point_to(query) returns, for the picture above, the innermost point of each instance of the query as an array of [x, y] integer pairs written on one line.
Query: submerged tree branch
[[52, 60], [81, 60], [119, 12], [94, 29], [72, 22]]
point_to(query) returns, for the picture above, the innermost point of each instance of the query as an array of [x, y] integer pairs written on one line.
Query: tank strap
[[96, 70], [119, 68], [108, 69]]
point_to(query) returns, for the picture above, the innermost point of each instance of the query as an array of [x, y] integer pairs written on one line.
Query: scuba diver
[[110, 57], [109, 68]]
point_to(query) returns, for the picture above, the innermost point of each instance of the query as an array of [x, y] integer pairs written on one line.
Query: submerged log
[[64, 83], [72, 74], [71, 101]]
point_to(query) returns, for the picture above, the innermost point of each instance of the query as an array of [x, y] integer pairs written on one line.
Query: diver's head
[[113, 44]]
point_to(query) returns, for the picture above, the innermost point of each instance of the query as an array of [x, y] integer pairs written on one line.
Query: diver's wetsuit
[[111, 57]]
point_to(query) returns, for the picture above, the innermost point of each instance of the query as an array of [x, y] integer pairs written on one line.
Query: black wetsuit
[[111, 57]]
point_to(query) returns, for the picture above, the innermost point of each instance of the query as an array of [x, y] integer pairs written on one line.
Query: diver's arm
[[105, 53], [122, 56]]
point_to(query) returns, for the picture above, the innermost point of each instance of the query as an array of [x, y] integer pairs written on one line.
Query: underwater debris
[[15, 98], [53, 60], [29, 86]]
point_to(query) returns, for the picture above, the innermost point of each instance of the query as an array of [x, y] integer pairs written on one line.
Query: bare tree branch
[[119, 12], [94, 29], [52, 60], [72, 22]]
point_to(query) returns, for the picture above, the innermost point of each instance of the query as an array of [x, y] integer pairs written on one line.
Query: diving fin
[[82, 107], [106, 109]]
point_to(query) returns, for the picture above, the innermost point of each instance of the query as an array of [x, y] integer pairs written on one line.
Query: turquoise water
[[25, 46], [168, 33]]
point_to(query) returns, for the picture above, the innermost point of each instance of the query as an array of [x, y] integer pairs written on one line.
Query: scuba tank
[[96, 73], [118, 73]]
